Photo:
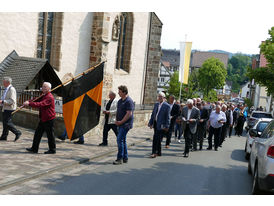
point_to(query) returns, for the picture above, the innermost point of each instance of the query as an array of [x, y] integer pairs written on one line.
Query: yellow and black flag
[[82, 102]]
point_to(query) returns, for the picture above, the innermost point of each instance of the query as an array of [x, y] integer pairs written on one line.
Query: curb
[[65, 166]]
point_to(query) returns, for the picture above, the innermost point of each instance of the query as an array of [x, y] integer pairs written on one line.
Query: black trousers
[[217, 134], [223, 133], [240, 125], [188, 138], [108, 127], [230, 131], [44, 127], [169, 133], [201, 131], [157, 139], [8, 125]]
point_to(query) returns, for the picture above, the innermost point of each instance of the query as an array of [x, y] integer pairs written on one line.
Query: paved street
[[17, 165], [204, 172]]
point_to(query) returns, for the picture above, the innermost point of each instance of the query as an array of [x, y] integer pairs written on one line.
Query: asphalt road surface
[[222, 172]]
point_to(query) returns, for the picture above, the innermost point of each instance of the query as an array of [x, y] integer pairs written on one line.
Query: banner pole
[[180, 92], [60, 85]]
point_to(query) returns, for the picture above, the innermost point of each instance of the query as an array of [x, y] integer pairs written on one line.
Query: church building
[[72, 42]]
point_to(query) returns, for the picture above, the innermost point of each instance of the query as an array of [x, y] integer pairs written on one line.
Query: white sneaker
[[179, 141]]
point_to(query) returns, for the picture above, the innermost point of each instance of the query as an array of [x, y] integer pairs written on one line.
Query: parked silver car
[[261, 161], [254, 116], [258, 128]]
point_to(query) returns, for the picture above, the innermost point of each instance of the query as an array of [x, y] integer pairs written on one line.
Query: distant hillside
[[229, 53], [222, 52]]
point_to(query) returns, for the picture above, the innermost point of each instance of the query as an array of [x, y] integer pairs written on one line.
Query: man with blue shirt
[[124, 121]]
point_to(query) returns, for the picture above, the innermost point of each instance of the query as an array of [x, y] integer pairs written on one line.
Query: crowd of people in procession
[[193, 121]]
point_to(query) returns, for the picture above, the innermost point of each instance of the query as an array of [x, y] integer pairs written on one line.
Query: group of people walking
[[118, 117], [194, 120]]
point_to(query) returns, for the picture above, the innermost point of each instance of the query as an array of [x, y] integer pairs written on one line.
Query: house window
[[44, 35], [124, 42]]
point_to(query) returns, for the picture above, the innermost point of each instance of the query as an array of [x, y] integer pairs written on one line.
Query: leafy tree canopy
[[237, 69], [265, 75], [211, 75]]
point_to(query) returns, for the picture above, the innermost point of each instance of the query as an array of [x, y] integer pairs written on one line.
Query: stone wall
[[134, 77], [30, 119], [104, 47], [99, 47], [57, 27], [153, 60]]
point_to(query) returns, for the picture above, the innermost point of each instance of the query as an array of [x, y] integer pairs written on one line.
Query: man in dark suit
[[160, 121], [190, 116], [174, 113], [201, 126]]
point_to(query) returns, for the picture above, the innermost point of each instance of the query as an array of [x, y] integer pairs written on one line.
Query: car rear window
[[261, 115], [269, 130], [261, 126]]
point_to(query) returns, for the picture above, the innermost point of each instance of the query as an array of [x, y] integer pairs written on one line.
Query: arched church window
[[125, 42], [44, 35], [50, 25]]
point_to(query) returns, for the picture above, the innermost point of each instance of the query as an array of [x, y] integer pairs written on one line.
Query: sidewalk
[[17, 165]]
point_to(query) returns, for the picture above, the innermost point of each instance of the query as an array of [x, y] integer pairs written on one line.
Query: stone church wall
[[153, 61]]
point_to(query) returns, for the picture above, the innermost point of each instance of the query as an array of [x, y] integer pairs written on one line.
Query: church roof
[[23, 70]]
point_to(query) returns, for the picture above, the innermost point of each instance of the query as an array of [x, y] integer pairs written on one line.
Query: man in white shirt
[[216, 120], [110, 118], [8, 101]]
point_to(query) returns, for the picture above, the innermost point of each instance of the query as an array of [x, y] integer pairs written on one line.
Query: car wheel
[[255, 187]]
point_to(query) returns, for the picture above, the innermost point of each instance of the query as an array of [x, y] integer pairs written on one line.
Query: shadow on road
[[238, 155], [162, 178]]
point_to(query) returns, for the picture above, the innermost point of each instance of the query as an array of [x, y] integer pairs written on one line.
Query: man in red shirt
[[47, 115]]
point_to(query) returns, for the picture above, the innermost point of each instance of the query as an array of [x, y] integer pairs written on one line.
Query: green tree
[[237, 69], [188, 90], [193, 85], [212, 96], [211, 75], [174, 85], [265, 75]]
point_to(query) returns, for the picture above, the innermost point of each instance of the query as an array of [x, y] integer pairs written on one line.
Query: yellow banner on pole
[[185, 51]]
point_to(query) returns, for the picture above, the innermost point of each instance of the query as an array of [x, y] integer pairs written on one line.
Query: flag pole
[[60, 85], [181, 83], [180, 92]]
